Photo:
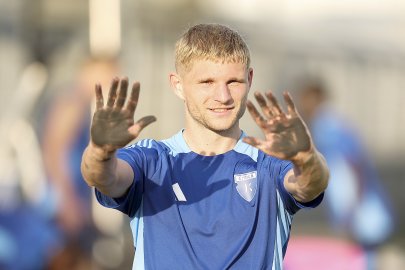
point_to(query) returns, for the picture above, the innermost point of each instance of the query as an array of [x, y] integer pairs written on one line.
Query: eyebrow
[[232, 79], [209, 79], [235, 79]]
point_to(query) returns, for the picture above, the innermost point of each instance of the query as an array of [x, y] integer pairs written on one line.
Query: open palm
[[113, 124], [286, 134]]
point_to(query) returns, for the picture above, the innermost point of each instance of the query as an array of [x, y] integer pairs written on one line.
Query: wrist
[[305, 160], [311, 163], [304, 156], [99, 153]]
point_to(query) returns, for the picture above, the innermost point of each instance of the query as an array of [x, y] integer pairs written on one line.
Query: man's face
[[215, 93]]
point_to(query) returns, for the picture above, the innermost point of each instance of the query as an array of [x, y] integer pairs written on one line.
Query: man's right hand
[[113, 124], [112, 128]]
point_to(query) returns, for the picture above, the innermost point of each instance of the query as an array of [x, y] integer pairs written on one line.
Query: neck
[[209, 143]]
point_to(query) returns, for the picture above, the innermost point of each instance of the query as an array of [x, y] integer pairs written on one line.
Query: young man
[[209, 197]]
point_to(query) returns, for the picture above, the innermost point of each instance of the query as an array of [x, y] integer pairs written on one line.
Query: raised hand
[[286, 134], [113, 124]]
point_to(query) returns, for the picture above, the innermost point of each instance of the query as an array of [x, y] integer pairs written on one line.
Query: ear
[[250, 76], [175, 83]]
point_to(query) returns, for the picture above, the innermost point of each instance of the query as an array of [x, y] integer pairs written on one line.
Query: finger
[[255, 143], [112, 95], [263, 105], [252, 141], [133, 100], [290, 103], [274, 107], [99, 97], [260, 121], [136, 128], [122, 94]]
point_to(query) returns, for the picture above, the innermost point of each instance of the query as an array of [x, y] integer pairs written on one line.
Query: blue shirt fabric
[[190, 211]]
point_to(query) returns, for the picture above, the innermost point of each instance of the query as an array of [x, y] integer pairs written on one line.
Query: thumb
[[136, 128]]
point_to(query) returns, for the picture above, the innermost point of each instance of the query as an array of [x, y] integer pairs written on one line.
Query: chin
[[221, 127]]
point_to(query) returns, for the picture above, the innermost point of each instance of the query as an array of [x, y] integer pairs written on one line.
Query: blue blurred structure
[[27, 239], [356, 201], [28, 236]]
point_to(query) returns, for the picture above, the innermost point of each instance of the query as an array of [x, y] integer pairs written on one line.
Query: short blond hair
[[214, 42]]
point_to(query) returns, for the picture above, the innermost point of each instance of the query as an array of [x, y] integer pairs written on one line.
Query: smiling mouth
[[219, 110]]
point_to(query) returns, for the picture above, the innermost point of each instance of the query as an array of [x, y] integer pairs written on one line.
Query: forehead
[[214, 68]]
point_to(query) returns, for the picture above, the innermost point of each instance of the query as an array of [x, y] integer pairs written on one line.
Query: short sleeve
[[131, 200], [290, 203]]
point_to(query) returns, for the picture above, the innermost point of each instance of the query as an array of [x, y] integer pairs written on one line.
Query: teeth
[[220, 110]]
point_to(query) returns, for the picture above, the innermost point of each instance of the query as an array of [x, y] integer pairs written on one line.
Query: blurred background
[[53, 52]]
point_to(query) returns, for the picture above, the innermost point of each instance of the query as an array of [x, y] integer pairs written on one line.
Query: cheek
[[193, 104], [242, 105], [196, 96], [240, 95]]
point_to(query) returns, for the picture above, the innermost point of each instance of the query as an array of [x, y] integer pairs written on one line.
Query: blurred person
[[210, 197], [356, 201], [65, 136], [27, 234]]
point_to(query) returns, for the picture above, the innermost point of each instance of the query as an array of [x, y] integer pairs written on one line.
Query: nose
[[223, 94]]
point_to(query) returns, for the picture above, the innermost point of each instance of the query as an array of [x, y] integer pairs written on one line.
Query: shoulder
[[246, 149], [172, 146], [146, 146], [144, 154], [176, 144], [274, 166]]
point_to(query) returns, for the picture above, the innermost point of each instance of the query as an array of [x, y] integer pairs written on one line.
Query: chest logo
[[246, 185]]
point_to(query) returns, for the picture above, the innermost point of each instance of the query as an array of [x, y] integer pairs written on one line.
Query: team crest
[[246, 185]]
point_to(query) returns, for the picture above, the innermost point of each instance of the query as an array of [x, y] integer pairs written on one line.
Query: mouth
[[221, 110]]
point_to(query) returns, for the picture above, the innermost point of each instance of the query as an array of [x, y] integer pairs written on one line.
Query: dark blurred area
[[53, 52]]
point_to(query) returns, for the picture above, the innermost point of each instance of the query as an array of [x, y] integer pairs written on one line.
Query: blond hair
[[210, 42]]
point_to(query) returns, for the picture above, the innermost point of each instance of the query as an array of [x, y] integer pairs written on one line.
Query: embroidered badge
[[246, 185]]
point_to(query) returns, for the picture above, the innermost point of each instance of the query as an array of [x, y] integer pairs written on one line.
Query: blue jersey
[[190, 211]]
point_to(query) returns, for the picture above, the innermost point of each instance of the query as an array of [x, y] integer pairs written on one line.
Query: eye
[[234, 82], [206, 82]]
